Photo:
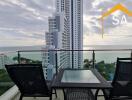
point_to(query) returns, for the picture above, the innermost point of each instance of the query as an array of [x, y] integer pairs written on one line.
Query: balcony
[[99, 59]]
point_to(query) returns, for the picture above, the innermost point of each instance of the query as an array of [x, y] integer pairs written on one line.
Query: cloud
[[24, 22], [20, 38], [29, 9]]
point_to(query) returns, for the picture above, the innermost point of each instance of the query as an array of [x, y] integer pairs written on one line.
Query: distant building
[[4, 59], [60, 5], [51, 38], [58, 37], [73, 10], [50, 71], [77, 31], [48, 61]]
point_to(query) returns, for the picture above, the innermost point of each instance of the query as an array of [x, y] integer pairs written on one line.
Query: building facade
[[48, 61], [73, 10], [56, 37], [77, 32]]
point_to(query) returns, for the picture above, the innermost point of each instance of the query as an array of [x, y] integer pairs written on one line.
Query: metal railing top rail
[[8, 52], [46, 50]]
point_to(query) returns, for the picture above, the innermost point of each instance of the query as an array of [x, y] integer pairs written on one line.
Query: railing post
[[19, 56], [72, 59], [131, 54], [93, 59], [56, 60]]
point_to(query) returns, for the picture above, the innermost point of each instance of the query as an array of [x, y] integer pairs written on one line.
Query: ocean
[[107, 56]]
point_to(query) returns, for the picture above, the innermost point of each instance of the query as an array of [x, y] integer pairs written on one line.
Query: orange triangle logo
[[115, 8]]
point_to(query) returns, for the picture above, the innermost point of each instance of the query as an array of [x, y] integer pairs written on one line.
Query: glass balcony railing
[[5, 81], [105, 61], [53, 60]]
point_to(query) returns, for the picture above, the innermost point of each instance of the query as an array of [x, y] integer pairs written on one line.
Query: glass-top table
[[77, 78]]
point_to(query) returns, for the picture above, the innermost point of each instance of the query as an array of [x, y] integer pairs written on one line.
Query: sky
[[24, 22]]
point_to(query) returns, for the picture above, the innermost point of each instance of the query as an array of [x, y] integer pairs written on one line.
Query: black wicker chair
[[78, 94], [122, 82], [30, 80]]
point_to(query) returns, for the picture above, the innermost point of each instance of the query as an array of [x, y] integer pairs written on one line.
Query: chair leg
[[96, 94], [21, 97], [55, 93], [50, 96], [65, 98], [105, 96]]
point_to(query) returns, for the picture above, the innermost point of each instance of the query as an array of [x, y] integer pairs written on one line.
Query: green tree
[[27, 61], [106, 69], [87, 64], [4, 77]]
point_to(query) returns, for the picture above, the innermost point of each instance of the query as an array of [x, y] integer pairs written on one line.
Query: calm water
[[107, 56]]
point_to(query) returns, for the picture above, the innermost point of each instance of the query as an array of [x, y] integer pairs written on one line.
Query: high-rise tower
[[77, 31], [73, 10]]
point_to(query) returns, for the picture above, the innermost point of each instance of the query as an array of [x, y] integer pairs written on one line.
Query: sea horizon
[[107, 56], [85, 47]]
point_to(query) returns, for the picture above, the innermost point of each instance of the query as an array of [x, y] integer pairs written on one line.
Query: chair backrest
[[29, 78], [122, 82]]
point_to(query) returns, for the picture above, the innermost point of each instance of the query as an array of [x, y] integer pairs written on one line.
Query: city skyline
[[28, 22]]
